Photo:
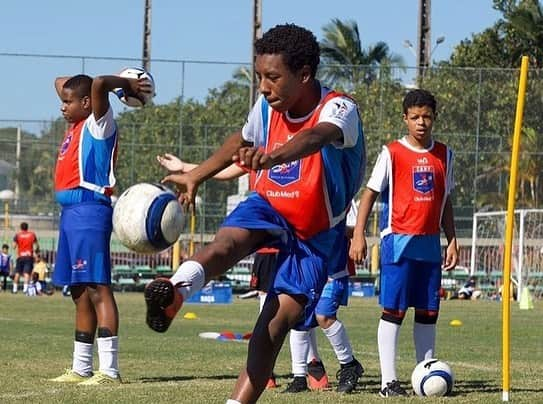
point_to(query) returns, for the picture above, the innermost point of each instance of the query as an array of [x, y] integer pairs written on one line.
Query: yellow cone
[[190, 316], [526, 300], [455, 323]]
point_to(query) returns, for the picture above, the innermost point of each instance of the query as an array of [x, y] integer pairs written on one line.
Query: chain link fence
[[198, 103]]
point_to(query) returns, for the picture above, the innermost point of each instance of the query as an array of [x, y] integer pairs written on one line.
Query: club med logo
[[283, 194], [423, 179]]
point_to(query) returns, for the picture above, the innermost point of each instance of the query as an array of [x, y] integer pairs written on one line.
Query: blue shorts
[[301, 264], [334, 294], [83, 254], [410, 283]]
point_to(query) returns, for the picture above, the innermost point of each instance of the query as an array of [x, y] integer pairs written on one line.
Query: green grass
[[179, 367]]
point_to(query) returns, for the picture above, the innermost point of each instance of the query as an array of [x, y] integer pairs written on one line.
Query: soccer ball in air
[[432, 377], [147, 218], [135, 73]]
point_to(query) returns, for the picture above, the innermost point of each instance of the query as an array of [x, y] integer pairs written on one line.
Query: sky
[[194, 31]]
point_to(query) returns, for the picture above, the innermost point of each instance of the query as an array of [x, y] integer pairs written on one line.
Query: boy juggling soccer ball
[[414, 176], [306, 144], [84, 183]]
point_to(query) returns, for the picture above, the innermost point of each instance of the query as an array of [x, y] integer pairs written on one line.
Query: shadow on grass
[[366, 382], [462, 387], [162, 379]]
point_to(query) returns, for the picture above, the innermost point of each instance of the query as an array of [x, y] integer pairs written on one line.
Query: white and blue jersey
[[84, 181], [86, 157]]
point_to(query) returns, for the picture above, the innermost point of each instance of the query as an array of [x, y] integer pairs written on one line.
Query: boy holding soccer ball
[[84, 183], [305, 143], [414, 176]]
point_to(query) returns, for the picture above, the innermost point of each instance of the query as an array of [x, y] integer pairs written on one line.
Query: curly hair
[[419, 98], [80, 84], [298, 46]]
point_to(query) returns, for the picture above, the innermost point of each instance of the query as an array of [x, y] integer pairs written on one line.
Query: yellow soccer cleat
[[100, 378], [70, 376]]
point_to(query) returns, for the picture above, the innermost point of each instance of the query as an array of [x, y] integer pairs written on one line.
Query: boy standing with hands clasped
[[414, 176]]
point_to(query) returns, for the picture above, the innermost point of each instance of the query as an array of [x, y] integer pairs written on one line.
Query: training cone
[[190, 316], [455, 323], [526, 301]]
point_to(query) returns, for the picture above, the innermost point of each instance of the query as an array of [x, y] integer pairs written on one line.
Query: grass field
[[36, 344]]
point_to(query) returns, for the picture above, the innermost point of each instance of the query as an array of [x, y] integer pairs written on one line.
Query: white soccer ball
[[144, 98], [432, 377], [147, 218]]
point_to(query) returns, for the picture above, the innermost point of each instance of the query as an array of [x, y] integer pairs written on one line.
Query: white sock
[[312, 352], [337, 335], [25, 287], [424, 336], [299, 345], [189, 271], [15, 287], [230, 401], [108, 349], [82, 361], [387, 340], [262, 297]]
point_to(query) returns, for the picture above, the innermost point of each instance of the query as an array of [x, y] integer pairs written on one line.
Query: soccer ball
[[147, 218], [432, 377], [135, 73]]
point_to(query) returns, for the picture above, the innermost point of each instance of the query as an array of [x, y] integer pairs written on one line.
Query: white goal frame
[[527, 241]]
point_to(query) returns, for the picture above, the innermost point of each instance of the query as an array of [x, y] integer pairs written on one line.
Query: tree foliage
[[476, 91], [346, 62]]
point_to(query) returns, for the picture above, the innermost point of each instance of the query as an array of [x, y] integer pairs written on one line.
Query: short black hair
[[24, 226], [5, 246], [80, 84], [419, 98], [298, 46]]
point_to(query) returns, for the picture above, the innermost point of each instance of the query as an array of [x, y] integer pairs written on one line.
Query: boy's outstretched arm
[[306, 142], [177, 166], [358, 250], [188, 183]]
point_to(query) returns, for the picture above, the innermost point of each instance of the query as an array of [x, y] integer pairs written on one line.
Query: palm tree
[[346, 63], [526, 22]]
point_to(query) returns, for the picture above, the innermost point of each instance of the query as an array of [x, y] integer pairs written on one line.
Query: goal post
[[488, 242]]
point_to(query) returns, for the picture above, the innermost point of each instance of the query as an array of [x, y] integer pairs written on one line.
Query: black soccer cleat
[[348, 376], [163, 303], [393, 389], [298, 385]]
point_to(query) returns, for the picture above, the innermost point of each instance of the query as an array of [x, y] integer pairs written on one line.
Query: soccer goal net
[[488, 241]]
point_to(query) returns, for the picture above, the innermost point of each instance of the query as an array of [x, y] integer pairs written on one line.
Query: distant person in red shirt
[[26, 243]]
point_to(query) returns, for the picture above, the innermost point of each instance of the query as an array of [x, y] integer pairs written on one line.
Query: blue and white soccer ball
[[144, 98], [432, 377], [147, 218]]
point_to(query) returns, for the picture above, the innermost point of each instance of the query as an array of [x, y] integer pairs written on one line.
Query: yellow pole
[[192, 229], [176, 255], [506, 291]]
